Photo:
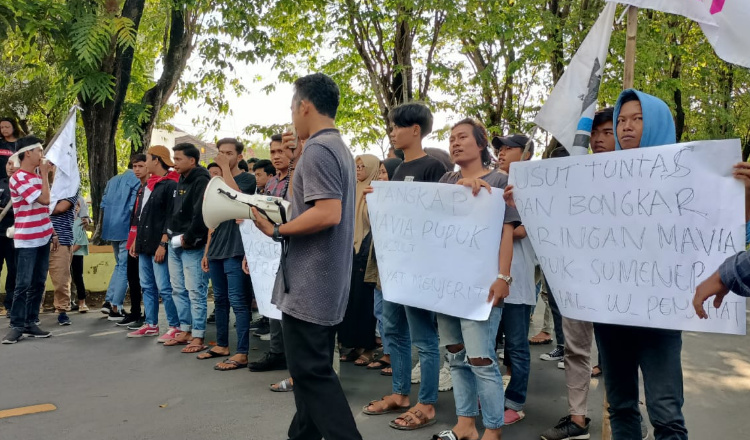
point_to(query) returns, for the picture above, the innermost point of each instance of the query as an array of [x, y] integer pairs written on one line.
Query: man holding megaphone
[[318, 240]]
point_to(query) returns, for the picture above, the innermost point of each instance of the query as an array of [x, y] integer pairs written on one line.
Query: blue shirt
[[117, 202]]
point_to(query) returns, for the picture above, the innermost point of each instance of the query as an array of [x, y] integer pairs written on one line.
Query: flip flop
[[173, 342], [390, 408], [191, 351], [282, 387], [211, 354], [381, 364], [386, 373], [350, 357], [363, 361], [237, 365]]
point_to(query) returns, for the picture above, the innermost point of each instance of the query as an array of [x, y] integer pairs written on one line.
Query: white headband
[[14, 158]]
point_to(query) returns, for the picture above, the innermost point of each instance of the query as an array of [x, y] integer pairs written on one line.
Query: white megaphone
[[222, 203]]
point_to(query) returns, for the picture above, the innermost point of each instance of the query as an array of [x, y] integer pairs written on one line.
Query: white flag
[[62, 153], [569, 111], [724, 22]]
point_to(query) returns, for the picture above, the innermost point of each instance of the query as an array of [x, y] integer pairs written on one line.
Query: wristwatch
[[163, 244], [276, 234], [507, 278]]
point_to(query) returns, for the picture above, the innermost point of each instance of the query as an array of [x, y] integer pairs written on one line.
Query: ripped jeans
[[475, 383]]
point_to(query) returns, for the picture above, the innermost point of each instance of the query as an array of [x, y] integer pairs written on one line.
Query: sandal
[[177, 340], [194, 348], [414, 418], [390, 407], [363, 360], [350, 357], [378, 365], [539, 340], [385, 372], [210, 354], [447, 435], [282, 387], [234, 365]]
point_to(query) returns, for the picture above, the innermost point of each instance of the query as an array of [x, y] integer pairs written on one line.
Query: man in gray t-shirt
[[312, 286]]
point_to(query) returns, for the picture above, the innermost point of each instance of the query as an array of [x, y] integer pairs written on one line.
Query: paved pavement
[[106, 386]]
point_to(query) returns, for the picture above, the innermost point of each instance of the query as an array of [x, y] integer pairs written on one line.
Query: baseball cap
[[513, 140], [162, 152]]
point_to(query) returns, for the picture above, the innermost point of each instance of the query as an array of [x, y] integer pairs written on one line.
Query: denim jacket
[[117, 203]]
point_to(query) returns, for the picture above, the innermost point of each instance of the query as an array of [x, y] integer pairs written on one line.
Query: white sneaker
[[445, 383], [416, 373], [561, 365]]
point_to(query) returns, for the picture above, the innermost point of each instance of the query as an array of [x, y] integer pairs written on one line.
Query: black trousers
[[76, 273], [309, 357], [134, 283], [8, 256]]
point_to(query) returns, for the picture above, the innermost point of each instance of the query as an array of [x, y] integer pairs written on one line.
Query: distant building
[[170, 138]]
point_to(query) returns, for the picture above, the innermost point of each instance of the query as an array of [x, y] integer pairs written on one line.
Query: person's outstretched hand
[[713, 286]]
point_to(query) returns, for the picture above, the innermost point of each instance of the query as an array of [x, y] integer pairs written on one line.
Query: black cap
[[513, 140]]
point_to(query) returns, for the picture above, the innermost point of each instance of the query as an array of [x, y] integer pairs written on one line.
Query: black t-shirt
[[424, 169], [226, 241], [6, 150]]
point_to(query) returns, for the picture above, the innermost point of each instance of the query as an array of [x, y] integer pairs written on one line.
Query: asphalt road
[[106, 386]]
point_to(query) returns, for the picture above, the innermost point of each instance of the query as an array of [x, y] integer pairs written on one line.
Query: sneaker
[[35, 332], [106, 308], [144, 331], [116, 316], [269, 362], [63, 319], [169, 335], [264, 329], [137, 324], [555, 355], [211, 318], [512, 416], [416, 373], [257, 323], [74, 307], [13, 336], [561, 365], [83, 308], [128, 320], [445, 383], [566, 429]]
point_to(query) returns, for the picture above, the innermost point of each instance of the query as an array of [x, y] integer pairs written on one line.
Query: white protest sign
[[625, 237], [263, 258], [437, 245]]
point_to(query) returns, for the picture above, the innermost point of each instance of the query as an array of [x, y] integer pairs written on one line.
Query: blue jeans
[[154, 283], [189, 289], [404, 325], [378, 311], [118, 284], [228, 281], [31, 275], [475, 383], [657, 353], [516, 319]]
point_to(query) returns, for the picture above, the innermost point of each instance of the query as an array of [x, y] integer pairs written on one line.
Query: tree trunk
[[181, 43], [676, 74], [100, 120]]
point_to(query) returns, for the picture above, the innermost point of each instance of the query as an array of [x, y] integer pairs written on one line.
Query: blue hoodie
[[658, 123]]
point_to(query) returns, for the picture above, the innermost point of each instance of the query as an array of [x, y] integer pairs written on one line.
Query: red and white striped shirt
[[33, 226]]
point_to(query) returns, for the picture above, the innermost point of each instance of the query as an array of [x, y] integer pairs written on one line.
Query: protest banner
[[625, 237], [263, 258], [437, 245]]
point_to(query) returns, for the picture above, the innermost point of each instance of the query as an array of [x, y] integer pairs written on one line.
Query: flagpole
[[630, 46], [71, 113]]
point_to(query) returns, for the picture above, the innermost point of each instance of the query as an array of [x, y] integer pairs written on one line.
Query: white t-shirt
[[523, 288]]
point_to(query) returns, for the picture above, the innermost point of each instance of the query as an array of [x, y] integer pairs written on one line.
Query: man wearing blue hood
[[642, 121]]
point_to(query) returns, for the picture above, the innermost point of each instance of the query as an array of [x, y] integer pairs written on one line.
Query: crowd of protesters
[[328, 288]]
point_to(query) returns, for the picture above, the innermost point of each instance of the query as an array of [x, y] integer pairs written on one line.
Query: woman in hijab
[[357, 331]]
